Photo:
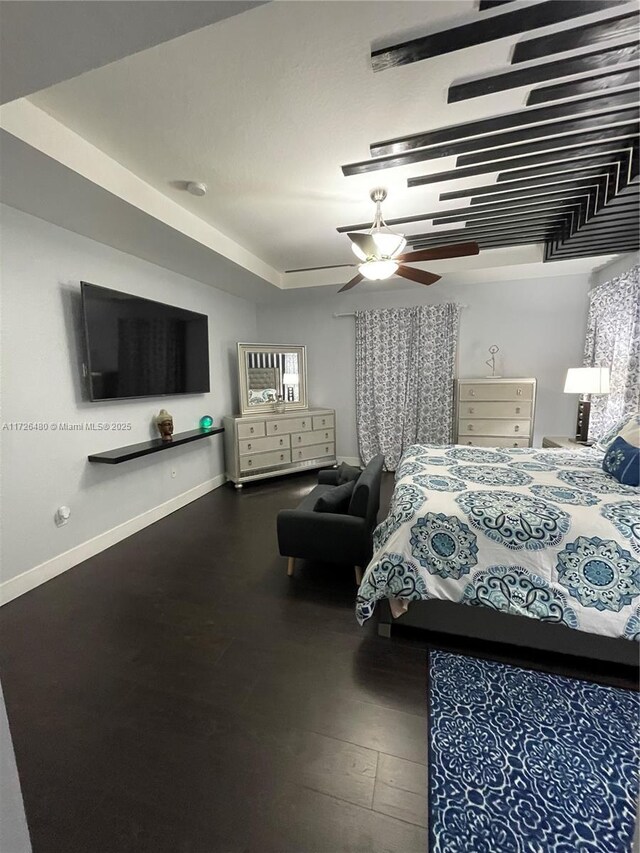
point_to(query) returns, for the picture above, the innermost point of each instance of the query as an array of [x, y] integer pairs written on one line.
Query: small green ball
[[206, 422]]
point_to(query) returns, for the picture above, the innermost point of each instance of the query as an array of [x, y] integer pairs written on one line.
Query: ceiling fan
[[380, 251]]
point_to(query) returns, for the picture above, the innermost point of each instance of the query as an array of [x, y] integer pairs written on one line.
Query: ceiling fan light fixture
[[387, 243], [376, 270]]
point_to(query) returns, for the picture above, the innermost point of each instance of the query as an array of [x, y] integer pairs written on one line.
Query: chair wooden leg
[[359, 574], [291, 564]]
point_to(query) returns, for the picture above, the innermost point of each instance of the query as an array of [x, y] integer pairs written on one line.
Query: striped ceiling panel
[[563, 170]]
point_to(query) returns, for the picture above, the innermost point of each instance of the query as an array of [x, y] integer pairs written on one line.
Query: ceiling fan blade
[[329, 267], [365, 242], [355, 280], [459, 250], [421, 276]]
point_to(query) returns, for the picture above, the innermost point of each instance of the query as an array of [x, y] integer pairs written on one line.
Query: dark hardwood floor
[[180, 693]]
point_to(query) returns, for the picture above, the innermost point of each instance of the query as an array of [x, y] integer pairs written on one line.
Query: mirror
[[272, 375]]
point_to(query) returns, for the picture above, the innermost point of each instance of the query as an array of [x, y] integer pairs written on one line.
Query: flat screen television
[[140, 348]]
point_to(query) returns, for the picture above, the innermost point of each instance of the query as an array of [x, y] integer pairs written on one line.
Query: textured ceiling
[[266, 108]]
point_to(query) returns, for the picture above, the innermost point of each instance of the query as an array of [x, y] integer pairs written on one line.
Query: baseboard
[[351, 460], [32, 578]]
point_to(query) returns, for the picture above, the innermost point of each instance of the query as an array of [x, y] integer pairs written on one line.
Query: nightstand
[[561, 441]]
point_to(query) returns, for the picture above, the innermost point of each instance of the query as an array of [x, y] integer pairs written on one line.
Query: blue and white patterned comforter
[[540, 533]]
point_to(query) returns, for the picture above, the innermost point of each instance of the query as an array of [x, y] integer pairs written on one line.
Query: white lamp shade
[[587, 380]]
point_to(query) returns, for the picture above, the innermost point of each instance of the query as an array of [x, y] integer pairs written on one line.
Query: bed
[[523, 532]]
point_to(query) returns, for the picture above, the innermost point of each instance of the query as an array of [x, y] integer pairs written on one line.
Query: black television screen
[[140, 348]]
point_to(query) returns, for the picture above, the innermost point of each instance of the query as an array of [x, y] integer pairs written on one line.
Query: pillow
[[622, 461], [346, 473], [605, 440], [631, 431], [336, 499]]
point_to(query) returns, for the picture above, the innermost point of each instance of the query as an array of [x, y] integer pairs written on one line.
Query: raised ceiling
[[293, 111]]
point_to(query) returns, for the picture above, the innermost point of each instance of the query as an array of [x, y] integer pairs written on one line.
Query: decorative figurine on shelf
[[206, 422], [164, 422], [279, 406], [491, 362]]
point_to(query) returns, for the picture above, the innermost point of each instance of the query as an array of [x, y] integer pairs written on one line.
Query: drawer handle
[[275, 427], [470, 427], [516, 429], [517, 410], [470, 442], [471, 411], [299, 438], [324, 423], [472, 393], [250, 462], [326, 435], [249, 446], [281, 456], [519, 392], [281, 442], [251, 430], [326, 450], [515, 443], [304, 423]]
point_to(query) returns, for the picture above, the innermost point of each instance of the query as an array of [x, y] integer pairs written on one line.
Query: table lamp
[[585, 380]]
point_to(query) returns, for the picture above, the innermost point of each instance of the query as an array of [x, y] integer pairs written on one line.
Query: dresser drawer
[[495, 391], [493, 427], [251, 430], [313, 451], [493, 441], [288, 425], [260, 445], [316, 436], [264, 460], [324, 421], [496, 410]]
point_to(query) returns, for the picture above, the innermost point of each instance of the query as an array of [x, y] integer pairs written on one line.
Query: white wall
[[539, 326], [42, 266]]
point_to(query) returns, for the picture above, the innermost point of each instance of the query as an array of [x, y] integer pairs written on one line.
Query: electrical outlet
[[173, 473]]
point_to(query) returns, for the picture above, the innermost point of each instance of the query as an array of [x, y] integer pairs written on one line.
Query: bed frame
[[481, 623]]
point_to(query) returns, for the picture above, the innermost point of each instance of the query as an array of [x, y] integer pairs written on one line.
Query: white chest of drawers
[[270, 445], [495, 412]]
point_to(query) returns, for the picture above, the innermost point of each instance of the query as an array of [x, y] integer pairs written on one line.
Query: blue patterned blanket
[[539, 533]]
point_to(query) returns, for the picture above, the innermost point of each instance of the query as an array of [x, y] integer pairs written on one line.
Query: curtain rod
[[353, 313]]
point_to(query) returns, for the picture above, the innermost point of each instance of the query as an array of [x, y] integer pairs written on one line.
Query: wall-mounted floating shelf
[[155, 445]]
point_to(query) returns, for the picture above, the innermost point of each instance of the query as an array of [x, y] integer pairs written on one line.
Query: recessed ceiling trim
[[41, 131]]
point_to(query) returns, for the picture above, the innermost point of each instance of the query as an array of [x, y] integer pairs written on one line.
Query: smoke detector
[[197, 188]]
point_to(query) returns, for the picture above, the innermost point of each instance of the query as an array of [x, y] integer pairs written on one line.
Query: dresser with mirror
[[276, 432]]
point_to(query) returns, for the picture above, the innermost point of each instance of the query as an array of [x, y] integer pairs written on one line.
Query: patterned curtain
[[405, 368], [613, 341]]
